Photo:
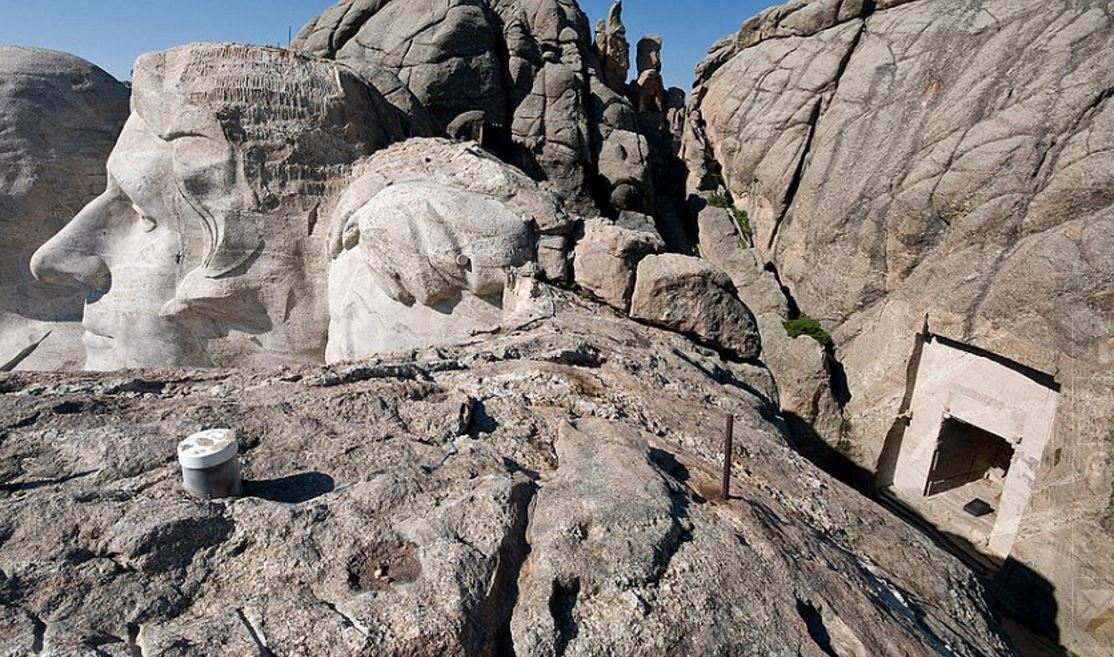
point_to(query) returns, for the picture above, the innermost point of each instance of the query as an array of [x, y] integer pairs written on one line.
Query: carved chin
[[100, 353]]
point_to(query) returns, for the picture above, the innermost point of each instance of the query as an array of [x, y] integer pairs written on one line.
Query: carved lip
[[97, 343], [95, 333]]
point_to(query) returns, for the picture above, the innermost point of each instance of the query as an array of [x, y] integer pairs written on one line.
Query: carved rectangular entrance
[[965, 454]]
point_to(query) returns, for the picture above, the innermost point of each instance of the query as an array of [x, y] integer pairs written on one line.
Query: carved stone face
[[426, 264], [125, 251], [205, 248], [423, 241]]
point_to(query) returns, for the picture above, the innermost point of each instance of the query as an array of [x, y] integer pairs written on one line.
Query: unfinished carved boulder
[[59, 117], [607, 258], [690, 296], [408, 529], [205, 248], [425, 239]]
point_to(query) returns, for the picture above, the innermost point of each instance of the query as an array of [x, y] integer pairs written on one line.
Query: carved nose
[[70, 258]]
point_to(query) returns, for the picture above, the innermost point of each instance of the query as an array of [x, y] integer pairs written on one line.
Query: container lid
[[208, 449]]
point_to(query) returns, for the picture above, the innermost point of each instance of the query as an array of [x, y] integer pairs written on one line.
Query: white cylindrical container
[[211, 464]]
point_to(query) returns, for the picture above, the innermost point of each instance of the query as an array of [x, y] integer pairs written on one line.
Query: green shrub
[[717, 200], [743, 219], [805, 325]]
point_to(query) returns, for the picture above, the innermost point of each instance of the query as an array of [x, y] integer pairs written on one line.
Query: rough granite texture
[[691, 296], [544, 97], [952, 161], [546, 490], [607, 256]]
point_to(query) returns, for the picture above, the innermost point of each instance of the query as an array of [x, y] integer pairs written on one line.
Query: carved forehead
[[183, 91]]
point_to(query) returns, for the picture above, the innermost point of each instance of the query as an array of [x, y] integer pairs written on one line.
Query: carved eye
[[147, 224]]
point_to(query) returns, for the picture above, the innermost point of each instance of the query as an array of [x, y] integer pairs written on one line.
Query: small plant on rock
[[717, 200], [743, 220], [805, 325]]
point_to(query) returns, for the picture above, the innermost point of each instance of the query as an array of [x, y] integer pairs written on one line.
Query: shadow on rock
[[291, 490]]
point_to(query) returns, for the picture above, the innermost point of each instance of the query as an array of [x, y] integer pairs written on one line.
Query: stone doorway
[[974, 435]]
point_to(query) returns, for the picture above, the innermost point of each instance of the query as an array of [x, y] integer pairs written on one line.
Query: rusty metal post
[[728, 439]]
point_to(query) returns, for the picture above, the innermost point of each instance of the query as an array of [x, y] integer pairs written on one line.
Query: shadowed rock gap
[[498, 608], [562, 608]]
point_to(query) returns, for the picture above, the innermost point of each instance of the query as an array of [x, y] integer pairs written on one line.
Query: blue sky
[[112, 33]]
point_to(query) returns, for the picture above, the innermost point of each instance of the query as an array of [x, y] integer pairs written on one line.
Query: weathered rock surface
[[59, 117], [607, 257], [547, 490], [953, 161], [614, 49], [807, 391], [444, 52], [558, 121], [690, 296]]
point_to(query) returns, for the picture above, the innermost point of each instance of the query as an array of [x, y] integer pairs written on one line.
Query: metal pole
[[728, 439]]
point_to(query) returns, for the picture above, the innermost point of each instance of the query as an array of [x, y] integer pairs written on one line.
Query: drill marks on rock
[[24, 354], [347, 619], [25, 486]]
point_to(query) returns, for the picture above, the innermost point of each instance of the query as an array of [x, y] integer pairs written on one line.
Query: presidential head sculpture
[[424, 241], [202, 249], [59, 118]]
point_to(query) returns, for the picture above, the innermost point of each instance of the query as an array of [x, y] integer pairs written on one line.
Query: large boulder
[[607, 257], [544, 491], [690, 296], [906, 161], [59, 117]]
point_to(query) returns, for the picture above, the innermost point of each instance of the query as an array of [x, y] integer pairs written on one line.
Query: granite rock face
[[614, 49], [444, 52], [690, 296], [808, 396], [546, 106], [59, 117], [607, 258], [947, 161], [546, 491]]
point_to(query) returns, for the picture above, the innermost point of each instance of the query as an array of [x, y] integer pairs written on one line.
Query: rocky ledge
[[548, 488]]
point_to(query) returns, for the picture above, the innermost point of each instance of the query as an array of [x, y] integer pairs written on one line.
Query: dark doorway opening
[[966, 453]]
